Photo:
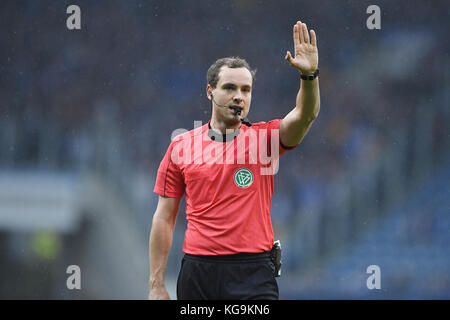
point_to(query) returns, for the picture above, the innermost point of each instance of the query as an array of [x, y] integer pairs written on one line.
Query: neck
[[222, 127]]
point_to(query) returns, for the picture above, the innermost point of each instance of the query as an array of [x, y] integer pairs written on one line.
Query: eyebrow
[[229, 84]]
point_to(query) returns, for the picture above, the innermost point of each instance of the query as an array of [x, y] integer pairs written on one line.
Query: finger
[[296, 38], [305, 33], [300, 32], [288, 57], [313, 38]]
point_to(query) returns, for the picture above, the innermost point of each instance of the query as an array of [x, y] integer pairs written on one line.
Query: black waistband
[[239, 257]]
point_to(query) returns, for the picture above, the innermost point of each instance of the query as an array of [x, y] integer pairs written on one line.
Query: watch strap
[[310, 76]]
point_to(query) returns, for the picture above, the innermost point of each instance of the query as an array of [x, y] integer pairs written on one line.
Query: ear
[[208, 91]]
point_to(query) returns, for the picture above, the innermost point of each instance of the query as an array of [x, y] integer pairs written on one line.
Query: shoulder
[[187, 135], [272, 124]]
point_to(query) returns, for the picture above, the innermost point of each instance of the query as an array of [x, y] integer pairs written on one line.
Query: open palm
[[306, 58]]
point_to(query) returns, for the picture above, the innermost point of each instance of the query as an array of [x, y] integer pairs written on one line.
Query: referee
[[222, 170]]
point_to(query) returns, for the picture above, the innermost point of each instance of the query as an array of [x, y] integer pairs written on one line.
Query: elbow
[[311, 118], [316, 112], [311, 115], [314, 116]]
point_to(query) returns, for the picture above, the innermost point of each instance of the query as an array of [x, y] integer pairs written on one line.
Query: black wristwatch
[[310, 76]]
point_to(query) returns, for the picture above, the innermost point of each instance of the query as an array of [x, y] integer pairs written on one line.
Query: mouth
[[236, 109]]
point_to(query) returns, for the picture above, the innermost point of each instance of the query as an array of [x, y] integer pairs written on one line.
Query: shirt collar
[[222, 137]]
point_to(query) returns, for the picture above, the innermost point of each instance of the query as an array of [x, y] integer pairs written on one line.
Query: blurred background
[[87, 115]]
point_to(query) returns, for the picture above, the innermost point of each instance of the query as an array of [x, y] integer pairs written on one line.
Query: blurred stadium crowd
[[137, 70]]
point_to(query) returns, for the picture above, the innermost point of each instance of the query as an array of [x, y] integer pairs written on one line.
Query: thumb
[[288, 57]]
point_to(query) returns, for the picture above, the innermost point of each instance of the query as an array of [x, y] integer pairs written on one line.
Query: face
[[234, 89]]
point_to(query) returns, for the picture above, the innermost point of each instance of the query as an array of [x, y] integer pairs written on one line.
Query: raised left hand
[[306, 58]]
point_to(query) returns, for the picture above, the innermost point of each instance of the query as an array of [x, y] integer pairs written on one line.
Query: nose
[[238, 97]]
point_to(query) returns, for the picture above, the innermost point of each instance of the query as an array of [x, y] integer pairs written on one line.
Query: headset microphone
[[220, 105], [237, 111]]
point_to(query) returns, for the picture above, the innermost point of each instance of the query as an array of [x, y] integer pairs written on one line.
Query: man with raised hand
[[229, 241]]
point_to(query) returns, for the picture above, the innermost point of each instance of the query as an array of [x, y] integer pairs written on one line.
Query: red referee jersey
[[228, 185]]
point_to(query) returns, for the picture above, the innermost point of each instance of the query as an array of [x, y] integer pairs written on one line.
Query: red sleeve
[[169, 179], [275, 124]]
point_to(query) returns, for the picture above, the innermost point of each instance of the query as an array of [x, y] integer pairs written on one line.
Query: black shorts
[[244, 276]]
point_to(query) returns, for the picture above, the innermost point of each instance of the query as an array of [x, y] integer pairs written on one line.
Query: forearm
[[159, 247], [308, 100], [296, 123]]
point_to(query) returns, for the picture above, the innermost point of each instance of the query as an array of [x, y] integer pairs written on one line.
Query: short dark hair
[[212, 76]]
